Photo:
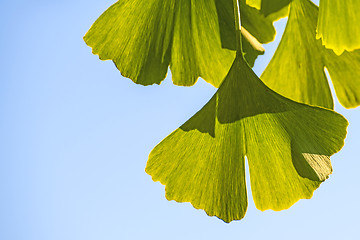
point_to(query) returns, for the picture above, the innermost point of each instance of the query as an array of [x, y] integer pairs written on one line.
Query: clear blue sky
[[75, 137]]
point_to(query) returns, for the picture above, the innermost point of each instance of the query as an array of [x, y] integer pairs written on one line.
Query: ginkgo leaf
[[273, 10], [251, 19], [338, 25], [256, 28], [258, 25], [344, 71], [251, 46], [271, 6], [144, 37], [254, 3], [297, 67], [287, 145]]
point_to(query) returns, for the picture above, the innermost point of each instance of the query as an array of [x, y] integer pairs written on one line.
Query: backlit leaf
[[273, 10], [251, 46], [254, 3], [257, 24], [271, 6], [287, 145], [338, 25], [257, 29], [297, 68], [144, 37]]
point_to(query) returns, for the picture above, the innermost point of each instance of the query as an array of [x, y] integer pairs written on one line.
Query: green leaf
[[297, 67], [269, 7], [257, 24], [254, 3], [273, 10], [226, 19], [144, 37], [338, 25], [287, 145], [344, 71], [256, 29], [251, 46]]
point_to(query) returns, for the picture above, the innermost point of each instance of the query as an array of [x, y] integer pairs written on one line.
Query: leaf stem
[[236, 5]]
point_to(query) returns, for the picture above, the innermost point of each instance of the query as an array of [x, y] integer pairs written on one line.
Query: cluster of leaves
[[284, 123]]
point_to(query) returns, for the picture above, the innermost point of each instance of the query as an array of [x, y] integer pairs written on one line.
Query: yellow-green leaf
[[254, 3], [196, 38], [257, 24], [144, 37], [273, 9], [297, 67], [287, 144], [338, 25], [272, 6], [256, 28], [251, 46]]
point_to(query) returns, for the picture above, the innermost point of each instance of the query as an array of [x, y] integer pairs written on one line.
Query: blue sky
[[75, 137]]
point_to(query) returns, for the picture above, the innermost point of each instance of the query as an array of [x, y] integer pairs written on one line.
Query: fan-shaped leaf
[[271, 6], [144, 37], [251, 46], [254, 3], [338, 25], [287, 144], [297, 68]]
